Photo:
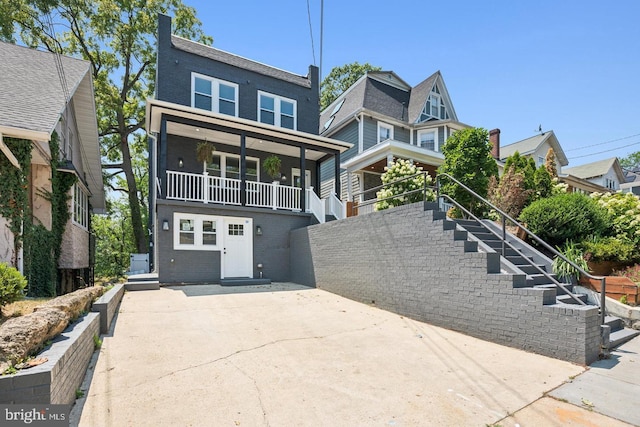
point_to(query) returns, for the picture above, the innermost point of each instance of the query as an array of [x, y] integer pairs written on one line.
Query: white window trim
[[223, 163], [80, 208], [382, 125], [277, 114], [295, 172], [215, 91], [436, 145], [197, 232]]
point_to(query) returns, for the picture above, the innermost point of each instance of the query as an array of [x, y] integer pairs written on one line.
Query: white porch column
[[389, 160]]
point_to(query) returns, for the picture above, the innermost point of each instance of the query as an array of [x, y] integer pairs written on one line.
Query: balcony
[[203, 188]]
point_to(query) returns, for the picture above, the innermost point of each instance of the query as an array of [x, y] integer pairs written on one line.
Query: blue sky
[[571, 66]]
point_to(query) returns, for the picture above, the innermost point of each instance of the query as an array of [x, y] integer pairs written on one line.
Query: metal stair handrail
[[422, 190], [505, 216]]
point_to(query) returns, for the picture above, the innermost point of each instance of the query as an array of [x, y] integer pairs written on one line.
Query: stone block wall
[[405, 261]]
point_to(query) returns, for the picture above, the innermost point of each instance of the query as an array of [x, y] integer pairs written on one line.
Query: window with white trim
[[80, 206], [195, 232], [277, 110], [610, 183], [434, 108], [428, 139], [214, 95], [385, 132], [295, 177]]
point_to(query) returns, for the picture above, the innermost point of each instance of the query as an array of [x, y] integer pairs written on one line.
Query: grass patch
[[21, 308]]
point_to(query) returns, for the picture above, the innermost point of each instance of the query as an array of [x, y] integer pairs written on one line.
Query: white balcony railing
[[193, 187]]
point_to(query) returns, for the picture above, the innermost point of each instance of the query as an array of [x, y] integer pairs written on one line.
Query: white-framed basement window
[[277, 110], [80, 206], [215, 95], [385, 132], [196, 232]]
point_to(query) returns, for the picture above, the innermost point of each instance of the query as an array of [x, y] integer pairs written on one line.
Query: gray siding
[[401, 134], [173, 82], [271, 249], [370, 133], [406, 261], [349, 133]]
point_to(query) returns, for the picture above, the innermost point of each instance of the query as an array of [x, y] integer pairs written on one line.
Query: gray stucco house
[[227, 219], [386, 119]]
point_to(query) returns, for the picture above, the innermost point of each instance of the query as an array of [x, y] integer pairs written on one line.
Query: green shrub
[[563, 269], [12, 284], [623, 210], [570, 216], [608, 249]]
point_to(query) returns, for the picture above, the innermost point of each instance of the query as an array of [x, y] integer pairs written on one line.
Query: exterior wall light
[[260, 269], [165, 225], [180, 162], [258, 230]]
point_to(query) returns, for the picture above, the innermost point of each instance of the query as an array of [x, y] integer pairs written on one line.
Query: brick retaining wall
[[404, 261]]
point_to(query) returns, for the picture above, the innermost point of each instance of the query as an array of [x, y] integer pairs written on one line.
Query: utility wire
[[602, 143], [313, 49], [605, 151]]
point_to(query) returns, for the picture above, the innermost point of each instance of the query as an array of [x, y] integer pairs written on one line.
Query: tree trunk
[[139, 230]]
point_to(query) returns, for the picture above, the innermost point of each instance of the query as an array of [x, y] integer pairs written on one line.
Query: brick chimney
[[494, 138]]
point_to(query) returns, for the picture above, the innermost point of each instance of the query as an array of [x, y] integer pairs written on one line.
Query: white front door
[[237, 251]]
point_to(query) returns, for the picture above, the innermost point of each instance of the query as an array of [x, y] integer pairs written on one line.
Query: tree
[[118, 38], [524, 165], [340, 79], [508, 193], [632, 161], [467, 157]]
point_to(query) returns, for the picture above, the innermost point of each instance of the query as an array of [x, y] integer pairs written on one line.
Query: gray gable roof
[[237, 61], [530, 145], [595, 169], [31, 95], [419, 95], [353, 102]]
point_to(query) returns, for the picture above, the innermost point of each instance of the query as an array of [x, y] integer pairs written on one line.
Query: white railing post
[[275, 195]]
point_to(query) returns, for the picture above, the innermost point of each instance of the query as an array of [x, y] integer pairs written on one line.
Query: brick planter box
[[107, 305], [55, 381], [616, 287]]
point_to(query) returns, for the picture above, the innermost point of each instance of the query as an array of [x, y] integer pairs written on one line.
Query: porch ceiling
[[198, 124], [234, 139]]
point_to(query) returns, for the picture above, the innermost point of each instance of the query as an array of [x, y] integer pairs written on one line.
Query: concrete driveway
[[287, 355]]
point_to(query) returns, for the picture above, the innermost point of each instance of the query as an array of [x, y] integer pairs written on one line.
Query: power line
[[603, 143], [606, 151], [313, 49]]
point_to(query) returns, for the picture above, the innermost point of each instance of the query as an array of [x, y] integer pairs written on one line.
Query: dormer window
[[434, 108]]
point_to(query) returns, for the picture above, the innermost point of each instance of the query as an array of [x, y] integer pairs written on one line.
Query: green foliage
[[114, 241], [79, 393], [393, 175], [118, 38], [542, 183], [624, 299], [467, 157], [340, 79], [12, 284], [623, 211], [97, 342], [204, 152], [565, 217], [524, 165], [608, 249], [563, 269], [272, 165], [632, 161]]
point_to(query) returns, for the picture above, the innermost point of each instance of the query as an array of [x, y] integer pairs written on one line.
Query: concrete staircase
[[520, 258], [142, 282]]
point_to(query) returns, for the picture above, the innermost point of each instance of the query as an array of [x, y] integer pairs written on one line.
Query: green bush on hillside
[[12, 284], [565, 217]]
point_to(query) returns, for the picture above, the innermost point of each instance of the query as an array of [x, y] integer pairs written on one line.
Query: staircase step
[[621, 336], [468, 222], [530, 269], [615, 323], [539, 279], [244, 281], [558, 289], [142, 286], [566, 299]]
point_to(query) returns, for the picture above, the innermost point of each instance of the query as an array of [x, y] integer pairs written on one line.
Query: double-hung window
[[276, 110], [428, 139], [214, 95], [80, 206], [385, 132]]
